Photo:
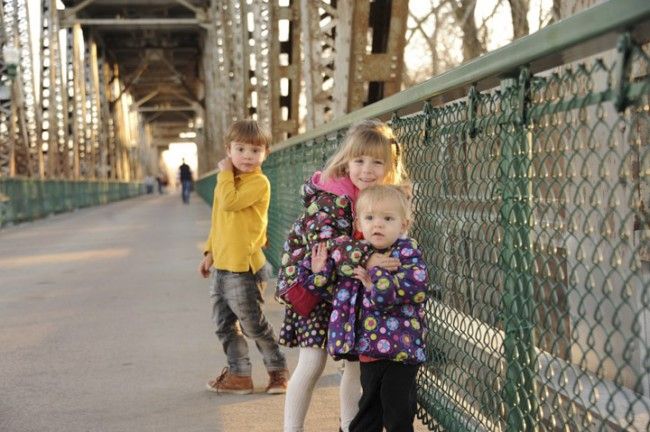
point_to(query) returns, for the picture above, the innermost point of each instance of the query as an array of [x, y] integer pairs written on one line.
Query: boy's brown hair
[[249, 132]]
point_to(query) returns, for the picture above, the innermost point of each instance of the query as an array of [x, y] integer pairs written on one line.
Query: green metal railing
[[23, 199], [531, 175]]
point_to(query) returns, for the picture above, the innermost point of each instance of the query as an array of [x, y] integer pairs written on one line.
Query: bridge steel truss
[[291, 64], [347, 53], [64, 129]]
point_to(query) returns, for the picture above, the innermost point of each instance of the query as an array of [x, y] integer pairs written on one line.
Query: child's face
[[246, 157], [365, 171], [382, 224]]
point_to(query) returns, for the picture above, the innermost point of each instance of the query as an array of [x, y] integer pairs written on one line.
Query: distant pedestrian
[[162, 182], [234, 260], [148, 183], [185, 176]]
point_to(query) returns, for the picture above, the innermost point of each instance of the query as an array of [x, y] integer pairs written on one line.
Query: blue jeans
[[237, 312], [186, 188]]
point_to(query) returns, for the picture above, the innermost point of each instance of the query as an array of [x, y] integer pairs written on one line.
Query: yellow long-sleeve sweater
[[239, 220]]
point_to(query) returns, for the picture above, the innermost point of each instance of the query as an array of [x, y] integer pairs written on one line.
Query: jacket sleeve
[[323, 282], [322, 221], [408, 285], [319, 224], [233, 198], [348, 253]]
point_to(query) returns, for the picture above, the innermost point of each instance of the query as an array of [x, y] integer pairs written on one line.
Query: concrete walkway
[[105, 326]]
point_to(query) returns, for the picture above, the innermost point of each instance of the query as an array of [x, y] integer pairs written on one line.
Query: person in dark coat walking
[[185, 174]]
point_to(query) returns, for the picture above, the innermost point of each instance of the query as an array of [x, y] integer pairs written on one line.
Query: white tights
[[311, 362]]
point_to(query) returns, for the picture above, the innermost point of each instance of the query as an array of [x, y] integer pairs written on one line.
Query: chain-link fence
[[23, 199], [531, 193]]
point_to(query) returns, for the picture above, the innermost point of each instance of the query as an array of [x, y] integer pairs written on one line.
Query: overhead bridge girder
[[131, 66]]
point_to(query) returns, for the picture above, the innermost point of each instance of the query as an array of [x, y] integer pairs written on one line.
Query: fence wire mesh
[[24, 199], [531, 206]]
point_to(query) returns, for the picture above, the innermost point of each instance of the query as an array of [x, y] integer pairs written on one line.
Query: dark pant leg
[[398, 397], [185, 190], [369, 417]]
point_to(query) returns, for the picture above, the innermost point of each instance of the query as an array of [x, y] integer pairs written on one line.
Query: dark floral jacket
[[385, 321], [326, 216]]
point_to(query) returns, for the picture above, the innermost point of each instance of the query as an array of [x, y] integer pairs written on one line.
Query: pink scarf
[[338, 186]]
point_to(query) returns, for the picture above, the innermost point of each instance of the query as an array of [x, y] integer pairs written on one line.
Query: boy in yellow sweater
[[234, 260]]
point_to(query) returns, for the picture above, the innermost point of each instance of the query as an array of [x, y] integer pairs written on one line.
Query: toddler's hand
[[383, 261], [318, 257], [362, 274], [206, 265], [225, 164]]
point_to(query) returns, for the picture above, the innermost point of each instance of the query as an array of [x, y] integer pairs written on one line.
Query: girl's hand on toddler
[[362, 274], [383, 261], [225, 164], [318, 257]]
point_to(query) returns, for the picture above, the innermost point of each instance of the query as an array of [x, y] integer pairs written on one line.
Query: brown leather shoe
[[230, 383], [278, 381]]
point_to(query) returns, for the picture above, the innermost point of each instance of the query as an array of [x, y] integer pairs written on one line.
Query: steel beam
[[93, 123], [128, 24], [285, 71], [68, 12], [261, 37], [142, 100], [79, 103], [6, 143], [30, 118], [320, 29], [380, 70], [19, 122], [210, 147], [200, 13], [51, 94], [167, 108]]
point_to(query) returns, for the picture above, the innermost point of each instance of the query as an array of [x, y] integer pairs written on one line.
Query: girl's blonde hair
[[372, 138], [394, 194]]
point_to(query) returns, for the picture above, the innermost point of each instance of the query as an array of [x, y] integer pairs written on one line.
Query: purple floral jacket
[[385, 321]]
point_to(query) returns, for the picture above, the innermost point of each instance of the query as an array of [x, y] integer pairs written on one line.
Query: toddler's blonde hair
[[394, 194], [372, 138]]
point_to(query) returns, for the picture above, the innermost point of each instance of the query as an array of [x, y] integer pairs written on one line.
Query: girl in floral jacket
[[378, 314], [368, 156]]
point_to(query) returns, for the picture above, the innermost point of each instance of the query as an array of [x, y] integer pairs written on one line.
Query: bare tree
[[557, 10], [449, 26], [431, 39], [463, 10], [519, 14]]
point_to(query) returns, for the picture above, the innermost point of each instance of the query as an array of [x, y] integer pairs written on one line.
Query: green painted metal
[[531, 187], [516, 260], [23, 199], [205, 187]]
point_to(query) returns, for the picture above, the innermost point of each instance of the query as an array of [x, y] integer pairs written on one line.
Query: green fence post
[[516, 260]]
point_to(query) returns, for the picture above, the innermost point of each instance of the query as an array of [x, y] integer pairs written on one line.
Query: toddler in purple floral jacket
[[377, 314]]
